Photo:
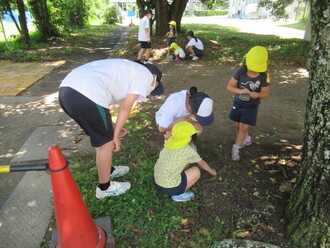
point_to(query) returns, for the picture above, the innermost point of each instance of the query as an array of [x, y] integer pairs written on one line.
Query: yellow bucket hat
[[172, 23], [174, 45], [181, 135], [257, 58]]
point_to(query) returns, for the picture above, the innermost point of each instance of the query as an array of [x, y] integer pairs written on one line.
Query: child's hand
[[213, 172], [253, 95], [245, 91]]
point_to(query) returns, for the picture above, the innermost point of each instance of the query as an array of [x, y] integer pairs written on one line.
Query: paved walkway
[[25, 213]]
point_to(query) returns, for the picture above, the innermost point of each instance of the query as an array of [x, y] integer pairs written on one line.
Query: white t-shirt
[[199, 45], [109, 81], [173, 108], [180, 52], [144, 24]]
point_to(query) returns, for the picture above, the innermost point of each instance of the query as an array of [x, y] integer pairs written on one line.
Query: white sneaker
[[119, 171], [148, 62], [235, 154], [191, 55], [195, 58], [246, 142], [115, 188]]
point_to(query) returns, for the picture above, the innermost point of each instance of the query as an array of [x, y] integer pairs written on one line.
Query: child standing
[[249, 83], [169, 173], [195, 46], [178, 51], [144, 37]]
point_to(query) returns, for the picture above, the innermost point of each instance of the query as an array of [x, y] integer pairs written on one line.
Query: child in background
[[195, 46], [169, 173], [171, 33], [178, 51], [249, 83]]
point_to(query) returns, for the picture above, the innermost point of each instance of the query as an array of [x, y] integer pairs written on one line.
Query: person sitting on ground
[[169, 174], [178, 51], [86, 94], [171, 33], [195, 47]]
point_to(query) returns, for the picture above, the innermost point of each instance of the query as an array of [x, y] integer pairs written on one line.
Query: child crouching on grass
[[169, 173], [178, 51]]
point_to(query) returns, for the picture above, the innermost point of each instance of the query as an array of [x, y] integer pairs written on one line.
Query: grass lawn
[[225, 45]]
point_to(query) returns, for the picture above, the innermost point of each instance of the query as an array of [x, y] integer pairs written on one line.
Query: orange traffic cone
[[75, 225]]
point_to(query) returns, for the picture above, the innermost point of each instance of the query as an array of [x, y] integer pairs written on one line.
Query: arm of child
[[183, 118], [232, 87], [264, 93], [206, 167]]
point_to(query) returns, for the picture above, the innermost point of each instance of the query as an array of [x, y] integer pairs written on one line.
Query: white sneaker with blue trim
[[119, 171], [115, 188], [186, 196]]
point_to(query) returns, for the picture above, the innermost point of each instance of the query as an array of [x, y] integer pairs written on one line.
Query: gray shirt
[[252, 84]]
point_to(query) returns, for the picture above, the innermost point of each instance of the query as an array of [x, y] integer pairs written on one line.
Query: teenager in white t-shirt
[[186, 105], [144, 37], [86, 94], [195, 46]]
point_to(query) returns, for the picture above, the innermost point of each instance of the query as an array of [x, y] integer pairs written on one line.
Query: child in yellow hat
[[178, 51], [171, 33], [169, 173], [249, 83]]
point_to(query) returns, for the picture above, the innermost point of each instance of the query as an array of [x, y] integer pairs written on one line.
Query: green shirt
[[171, 163]]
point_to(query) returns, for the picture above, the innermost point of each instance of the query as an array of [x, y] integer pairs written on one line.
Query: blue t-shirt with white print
[[252, 84]]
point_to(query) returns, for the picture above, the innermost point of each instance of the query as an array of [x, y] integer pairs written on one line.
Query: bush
[[111, 15], [210, 12]]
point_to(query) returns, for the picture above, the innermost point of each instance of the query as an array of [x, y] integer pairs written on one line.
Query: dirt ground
[[246, 198]]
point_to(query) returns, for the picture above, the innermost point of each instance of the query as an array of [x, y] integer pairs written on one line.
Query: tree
[[40, 12], [308, 212], [22, 28]]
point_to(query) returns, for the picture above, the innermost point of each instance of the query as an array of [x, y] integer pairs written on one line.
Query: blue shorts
[[94, 119], [145, 44], [178, 190], [244, 114], [170, 40], [198, 52]]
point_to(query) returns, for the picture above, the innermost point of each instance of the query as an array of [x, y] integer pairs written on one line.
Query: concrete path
[[29, 125]]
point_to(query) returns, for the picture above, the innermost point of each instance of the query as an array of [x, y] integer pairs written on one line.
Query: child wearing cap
[[195, 46], [249, 83], [178, 51], [170, 176], [186, 105], [171, 33]]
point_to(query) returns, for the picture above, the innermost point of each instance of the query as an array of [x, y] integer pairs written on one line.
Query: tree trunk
[[42, 18], [308, 213], [23, 23], [166, 13]]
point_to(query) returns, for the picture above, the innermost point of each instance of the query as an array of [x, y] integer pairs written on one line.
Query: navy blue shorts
[[178, 190], [145, 44], [170, 40], [198, 52], [243, 114], [94, 119]]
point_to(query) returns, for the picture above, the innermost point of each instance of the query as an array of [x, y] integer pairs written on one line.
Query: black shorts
[[170, 40], [198, 52], [178, 190], [244, 114], [94, 119], [145, 44]]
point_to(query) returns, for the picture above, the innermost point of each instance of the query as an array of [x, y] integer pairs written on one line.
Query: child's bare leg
[[191, 50], [140, 54], [242, 133], [104, 161], [193, 174], [148, 53]]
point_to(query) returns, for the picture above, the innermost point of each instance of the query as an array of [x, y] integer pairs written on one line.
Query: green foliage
[[74, 42], [142, 217], [111, 15], [276, 8], [210, 12]]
